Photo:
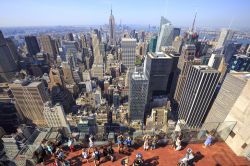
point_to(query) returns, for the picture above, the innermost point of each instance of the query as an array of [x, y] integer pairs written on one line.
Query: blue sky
[[211, 13]]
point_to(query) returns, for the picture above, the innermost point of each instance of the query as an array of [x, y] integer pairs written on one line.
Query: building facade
[[197, 94], [157, 68], [55, 116], [48, 46], [32, 45], [30, 97], [128, 51], [225, 35], [138, 87]]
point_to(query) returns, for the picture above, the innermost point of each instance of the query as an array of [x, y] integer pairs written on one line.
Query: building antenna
[[111, 9], [192, 30]]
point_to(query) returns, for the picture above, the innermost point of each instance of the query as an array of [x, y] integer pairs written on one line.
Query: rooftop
[[205, 68], [159, 55], [215, 155], [128, 39], [241, 75]]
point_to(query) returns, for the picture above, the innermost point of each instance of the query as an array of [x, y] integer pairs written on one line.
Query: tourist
[[111, 153], [91, 143], [105, 153], [120, 139], [96, 156], [208, 140], [154, 142], [128, 142], [85, 155], [56, 162], [125, 161], [146, 143], [187, 159], [49, 148], [71, 144], [138, 160], [178, 143]]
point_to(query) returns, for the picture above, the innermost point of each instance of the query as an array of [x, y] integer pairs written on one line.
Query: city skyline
[[180, 13]]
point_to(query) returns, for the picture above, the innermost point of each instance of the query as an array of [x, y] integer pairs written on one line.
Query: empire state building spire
[[112, 40]]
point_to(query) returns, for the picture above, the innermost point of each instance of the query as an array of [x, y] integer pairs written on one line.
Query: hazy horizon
[[212, 13]]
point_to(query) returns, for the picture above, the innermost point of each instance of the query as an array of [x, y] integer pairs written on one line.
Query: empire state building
[[112, 40]]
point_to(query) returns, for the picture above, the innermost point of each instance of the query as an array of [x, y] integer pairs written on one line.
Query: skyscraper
[[137, 95], [225, 35], [163, 21], [112, 39], [218, 62], [32, 45], [48, 46], [97, 70], [69, 37], [229, 92], [157, 69], [152, 44], [8, 66], [232, 106], [128, 52], [30, 97], [197, 94], [67, 73], [55, 115], [166, 36], [184, 64]]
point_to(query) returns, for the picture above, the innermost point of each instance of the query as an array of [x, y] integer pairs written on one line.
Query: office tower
[[218, 62], [165, 37], [30, 97], [163, 21], [137, 100], [240, 62], [177, 44], [55, 115], [70, 46], [141, 49], [197, 94], [32, 45], [98, 97], [9, 118], [56, 78], [152, 44], [184, 64], [112, 38], [173, 77], [236, 111], [230, 91], [225, 36], [97, 70], [13, 49], [143, 36], [116, 99], [98, 33], [48, 46], [157, 69], [128, 52], [8, 66], [229, 50], [67, 73], [69, 37], [176, 32]]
